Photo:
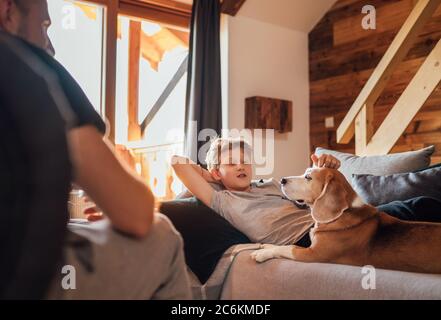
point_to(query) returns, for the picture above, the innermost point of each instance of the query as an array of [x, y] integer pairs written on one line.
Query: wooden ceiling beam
[[169, 4], [232, 7], [157, 10]]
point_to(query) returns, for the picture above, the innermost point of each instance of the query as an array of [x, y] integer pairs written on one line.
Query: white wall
[[272, 61]]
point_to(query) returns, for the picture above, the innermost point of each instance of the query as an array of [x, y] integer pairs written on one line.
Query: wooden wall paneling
[[339, 72], [396, 52], [413, 98], [366, 53], [350, 29]]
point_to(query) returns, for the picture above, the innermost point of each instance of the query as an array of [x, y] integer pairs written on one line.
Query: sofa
[[286, 279], [220, 266]]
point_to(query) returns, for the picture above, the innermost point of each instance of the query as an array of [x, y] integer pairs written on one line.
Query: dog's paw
[[262, 255]]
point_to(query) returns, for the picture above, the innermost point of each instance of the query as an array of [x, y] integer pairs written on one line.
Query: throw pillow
[[381, 165], [377, 190]]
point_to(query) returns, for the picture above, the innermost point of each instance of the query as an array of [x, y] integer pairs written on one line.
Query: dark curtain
[[204, 98]]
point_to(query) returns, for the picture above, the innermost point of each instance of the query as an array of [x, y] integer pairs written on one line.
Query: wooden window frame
[[166, 12]]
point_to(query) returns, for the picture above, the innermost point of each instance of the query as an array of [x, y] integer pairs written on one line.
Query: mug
[[77, 204]]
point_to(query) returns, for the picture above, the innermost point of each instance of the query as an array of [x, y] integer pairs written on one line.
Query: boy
[[257, 209]]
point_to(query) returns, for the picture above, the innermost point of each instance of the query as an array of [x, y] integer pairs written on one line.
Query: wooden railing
[[152, 164], [359, 120]]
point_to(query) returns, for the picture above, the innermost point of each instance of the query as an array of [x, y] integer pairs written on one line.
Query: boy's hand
[[325, 160], [194, 177], [93, 213]]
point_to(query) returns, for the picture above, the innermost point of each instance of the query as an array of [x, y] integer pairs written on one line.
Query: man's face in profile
[[28, 20]]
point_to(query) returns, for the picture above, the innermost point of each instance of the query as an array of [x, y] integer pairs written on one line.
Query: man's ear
[[3, 13], [6, 16], [331, 203]]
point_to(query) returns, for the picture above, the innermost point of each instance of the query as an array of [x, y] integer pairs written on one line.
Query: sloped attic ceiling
[[301, 15]]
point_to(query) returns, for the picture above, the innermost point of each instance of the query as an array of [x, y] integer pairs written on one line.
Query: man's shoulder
[[15, 49], [27, 53], [18, 54]]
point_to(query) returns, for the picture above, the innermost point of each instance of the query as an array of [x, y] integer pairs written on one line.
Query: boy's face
[[235, 170]]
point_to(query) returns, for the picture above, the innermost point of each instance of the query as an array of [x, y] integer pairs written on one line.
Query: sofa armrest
[[206, 234]]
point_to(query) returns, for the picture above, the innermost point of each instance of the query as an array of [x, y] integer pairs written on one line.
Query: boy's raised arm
[[194, 177]]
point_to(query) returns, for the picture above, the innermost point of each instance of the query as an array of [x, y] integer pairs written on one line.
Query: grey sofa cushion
[[378, 190], [206, 234], [283, 279], [381, 165]]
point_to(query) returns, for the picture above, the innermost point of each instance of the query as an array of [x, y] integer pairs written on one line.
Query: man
[[114, 265]]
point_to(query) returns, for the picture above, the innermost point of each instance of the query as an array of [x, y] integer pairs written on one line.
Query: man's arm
[[195, 178], [123, 197]]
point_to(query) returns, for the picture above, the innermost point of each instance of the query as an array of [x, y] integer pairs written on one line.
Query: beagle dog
[[348, 231]]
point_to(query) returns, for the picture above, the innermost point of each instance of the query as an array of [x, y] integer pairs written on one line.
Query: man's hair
[[219, 145]]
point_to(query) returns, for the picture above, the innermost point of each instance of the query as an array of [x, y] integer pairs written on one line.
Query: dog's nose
[[283, 181]]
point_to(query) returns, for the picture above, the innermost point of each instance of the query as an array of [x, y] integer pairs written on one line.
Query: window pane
[[163, 52], [77, 33]]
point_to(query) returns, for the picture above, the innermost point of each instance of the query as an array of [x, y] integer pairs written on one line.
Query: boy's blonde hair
[[219, 145]]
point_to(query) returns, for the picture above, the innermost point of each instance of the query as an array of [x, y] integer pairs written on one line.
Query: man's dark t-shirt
[[80, 104], [35, 171]]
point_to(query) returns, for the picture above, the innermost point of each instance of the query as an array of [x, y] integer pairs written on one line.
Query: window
[[151, 74], [150, 97], [77, 36]]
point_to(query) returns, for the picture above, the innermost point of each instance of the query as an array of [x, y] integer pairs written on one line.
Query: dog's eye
[[308, 177]]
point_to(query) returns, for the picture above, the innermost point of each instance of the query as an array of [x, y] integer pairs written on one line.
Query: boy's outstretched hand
[[325, 160]]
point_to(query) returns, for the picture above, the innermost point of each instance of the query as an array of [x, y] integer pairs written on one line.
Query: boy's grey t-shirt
[[264, 214]]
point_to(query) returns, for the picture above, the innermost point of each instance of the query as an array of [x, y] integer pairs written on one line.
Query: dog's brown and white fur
[[347, 231]]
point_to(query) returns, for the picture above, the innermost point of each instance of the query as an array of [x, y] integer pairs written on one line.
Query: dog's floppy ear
[[331, 203]]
